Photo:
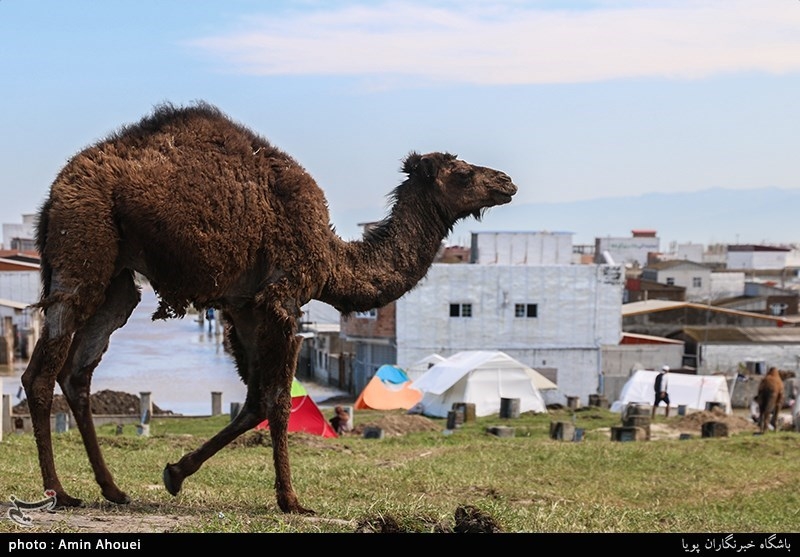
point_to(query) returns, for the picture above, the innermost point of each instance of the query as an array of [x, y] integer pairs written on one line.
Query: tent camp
[[482, 378], [417, 369], [389, 389], [306, 416], [692, 391]]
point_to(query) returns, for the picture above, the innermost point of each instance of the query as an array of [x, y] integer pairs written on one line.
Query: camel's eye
[[464, 175]]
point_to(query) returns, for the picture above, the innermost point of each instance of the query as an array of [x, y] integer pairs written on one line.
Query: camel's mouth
[[504, 192], [501, 197]]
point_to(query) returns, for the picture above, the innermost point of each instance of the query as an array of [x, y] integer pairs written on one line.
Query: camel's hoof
[[295, 508], [117, 496], [172, 481], [64, 500], [299, 510]]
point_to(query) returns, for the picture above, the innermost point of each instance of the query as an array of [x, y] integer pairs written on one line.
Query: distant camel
[[769, 398], [213, 215]]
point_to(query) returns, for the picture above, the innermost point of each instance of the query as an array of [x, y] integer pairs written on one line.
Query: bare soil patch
[[105, 402], [399, 424], [694, 422]]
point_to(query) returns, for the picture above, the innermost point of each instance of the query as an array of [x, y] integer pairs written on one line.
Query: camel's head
[[459, 189]]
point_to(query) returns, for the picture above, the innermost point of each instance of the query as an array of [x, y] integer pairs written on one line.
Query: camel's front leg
[[266, 357], [175, 474], [267, 397], [278, 400]]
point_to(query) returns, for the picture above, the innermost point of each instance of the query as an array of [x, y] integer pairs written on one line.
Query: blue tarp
[[391, 374]]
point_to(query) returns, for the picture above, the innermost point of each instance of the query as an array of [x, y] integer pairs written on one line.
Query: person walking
[[210, 318], [661, 389]]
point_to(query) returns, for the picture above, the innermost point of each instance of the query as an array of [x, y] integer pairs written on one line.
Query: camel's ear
[[420, 166]]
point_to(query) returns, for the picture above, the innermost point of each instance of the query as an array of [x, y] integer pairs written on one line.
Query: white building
[[752, 257], [554, 318], [690, 252], [25, 230], [702, 284], [694, 277], [633, 251], [727, 284], [21, 286]]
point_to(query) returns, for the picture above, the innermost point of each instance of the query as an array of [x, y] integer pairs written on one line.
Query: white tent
[[417, 369], [692, 391], [482, 378]]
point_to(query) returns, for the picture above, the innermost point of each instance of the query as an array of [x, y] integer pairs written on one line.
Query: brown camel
[[215, 216], [769, 398]]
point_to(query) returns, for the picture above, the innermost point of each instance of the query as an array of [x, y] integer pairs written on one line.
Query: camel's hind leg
[[39, 381], [88, 345], [765, 417]]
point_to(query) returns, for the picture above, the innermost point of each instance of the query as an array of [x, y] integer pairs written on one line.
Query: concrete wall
[[690, 252], [628, 250], [620, 361], [745, 388], [727, 285], [757, 259], [522, 248], [727, 357], [20, 286]]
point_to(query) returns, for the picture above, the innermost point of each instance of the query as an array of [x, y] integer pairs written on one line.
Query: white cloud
[[491, 43]]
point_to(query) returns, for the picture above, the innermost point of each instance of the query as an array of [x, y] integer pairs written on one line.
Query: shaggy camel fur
[[770, 399], [215, 216]]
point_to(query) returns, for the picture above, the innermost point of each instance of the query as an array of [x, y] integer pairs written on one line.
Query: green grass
[[526, 483]]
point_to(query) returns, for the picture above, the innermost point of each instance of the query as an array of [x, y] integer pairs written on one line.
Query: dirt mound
[[103, 403], [468, 520], [695, 421], [400, 424]]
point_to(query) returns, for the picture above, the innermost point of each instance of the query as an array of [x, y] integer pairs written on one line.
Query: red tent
[[306, 415]]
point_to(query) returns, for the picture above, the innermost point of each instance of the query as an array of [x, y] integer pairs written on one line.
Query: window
[[369, 314], [697, 282], [670, 281], [460, 310], [526, 310], [778, 309]]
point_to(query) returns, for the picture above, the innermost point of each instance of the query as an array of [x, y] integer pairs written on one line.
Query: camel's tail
[[45, 268]]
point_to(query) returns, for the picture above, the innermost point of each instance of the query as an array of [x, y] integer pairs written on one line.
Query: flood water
[[178, 361]]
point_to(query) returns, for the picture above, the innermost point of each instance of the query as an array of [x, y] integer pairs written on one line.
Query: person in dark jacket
[[210, 318], [340, 420], [660, 388]]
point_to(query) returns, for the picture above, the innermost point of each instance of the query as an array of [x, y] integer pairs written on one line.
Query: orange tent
[[389, 389]]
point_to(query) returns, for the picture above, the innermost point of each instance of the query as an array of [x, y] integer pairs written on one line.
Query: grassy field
[[419, 481]]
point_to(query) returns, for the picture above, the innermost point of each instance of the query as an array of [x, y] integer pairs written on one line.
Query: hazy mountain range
[[711, 216]]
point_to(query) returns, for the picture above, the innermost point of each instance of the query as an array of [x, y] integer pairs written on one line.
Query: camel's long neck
[[388, 262]]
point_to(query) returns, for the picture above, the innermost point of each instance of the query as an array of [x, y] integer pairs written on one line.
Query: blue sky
[[576, 100]]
